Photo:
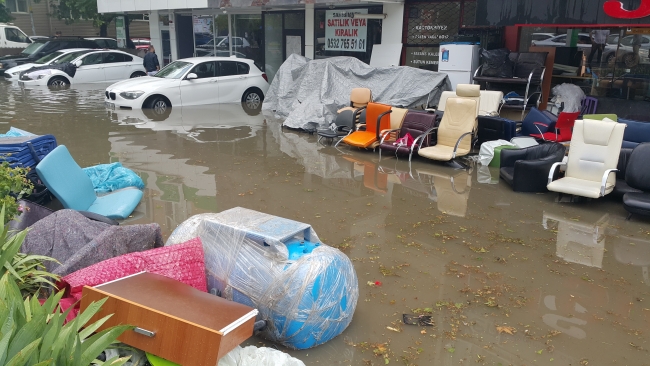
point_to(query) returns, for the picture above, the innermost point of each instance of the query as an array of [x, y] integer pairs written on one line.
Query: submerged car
[[192, 81], [97, 66], [54, 58], [40, 48]]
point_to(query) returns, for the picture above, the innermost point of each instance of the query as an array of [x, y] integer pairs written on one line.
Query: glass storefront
[[609, 62]]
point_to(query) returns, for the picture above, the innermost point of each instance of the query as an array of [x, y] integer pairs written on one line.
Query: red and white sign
[[343, 32], [615, 9]]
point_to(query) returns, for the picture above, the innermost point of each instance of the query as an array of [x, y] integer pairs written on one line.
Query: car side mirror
[[77, 63], [191, 76]]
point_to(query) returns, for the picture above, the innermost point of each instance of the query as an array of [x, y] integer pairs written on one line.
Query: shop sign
[[120, 32], [432, 23], [343, 32], [423, 57], [615, 9]]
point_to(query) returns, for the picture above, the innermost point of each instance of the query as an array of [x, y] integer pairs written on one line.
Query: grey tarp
[[307, 93], [77, 242]]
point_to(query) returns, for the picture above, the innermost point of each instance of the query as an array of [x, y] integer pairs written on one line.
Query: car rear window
[[113, 57], [227, 68], [242, 68]]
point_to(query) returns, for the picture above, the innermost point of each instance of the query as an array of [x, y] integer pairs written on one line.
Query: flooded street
[[507, 278]]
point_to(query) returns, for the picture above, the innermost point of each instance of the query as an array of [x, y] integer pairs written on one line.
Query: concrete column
[[156, 38], [172, 35], [392, 26], [309, 31]]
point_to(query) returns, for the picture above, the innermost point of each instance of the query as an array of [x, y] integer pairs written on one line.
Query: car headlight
[[131, 94], [16, 73]]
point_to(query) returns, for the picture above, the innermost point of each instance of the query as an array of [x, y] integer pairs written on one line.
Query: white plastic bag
[[486, 153], [263, 356]]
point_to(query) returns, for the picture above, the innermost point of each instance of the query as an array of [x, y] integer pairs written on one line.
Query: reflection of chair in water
[[372, 177], [579, 242], [635, 252], [452, 188]]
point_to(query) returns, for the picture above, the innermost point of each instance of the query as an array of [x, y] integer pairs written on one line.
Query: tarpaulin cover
[[306, 301], [307, 93], [17, 152], [111, 177], [78, 242], [66, 67]]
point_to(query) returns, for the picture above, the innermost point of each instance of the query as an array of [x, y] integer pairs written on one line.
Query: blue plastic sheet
[[16, 132], [111, 177]]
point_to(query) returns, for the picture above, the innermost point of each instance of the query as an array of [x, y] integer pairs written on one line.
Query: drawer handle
[[144, 332]]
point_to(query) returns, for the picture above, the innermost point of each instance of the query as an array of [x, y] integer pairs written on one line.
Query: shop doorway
[[284, 34], [185, 36]]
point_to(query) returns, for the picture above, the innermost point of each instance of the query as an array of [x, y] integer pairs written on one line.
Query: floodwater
[[508, 278]]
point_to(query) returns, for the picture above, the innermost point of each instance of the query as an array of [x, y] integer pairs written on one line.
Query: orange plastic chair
[[377, 119]]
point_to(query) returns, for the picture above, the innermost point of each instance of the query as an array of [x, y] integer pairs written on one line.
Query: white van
[[12, 37]]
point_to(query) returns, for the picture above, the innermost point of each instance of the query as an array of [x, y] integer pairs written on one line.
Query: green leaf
[[451, 350], [7, 333], [96, 344], [31, 331], [89, 330], [22, 357]]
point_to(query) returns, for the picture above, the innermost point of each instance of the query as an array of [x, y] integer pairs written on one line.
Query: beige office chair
[[455, 131], [593, 156], [489, 101]]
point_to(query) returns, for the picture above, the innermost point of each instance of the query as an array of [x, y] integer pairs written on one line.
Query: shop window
[[247, 37], [272, 43]]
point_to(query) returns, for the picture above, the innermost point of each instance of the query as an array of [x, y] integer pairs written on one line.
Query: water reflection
[[577, 241]]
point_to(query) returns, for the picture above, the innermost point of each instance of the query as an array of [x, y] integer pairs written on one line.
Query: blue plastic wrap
[[16, 132], [306, 290], [111, 177]]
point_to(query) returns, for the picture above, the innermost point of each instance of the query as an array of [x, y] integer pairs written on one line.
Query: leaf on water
[[451, 350], [394, 329], [507, 330], [540, 351]]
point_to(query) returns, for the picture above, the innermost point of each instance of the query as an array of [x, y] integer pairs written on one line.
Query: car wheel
[[252, 101], [58, 82], [159, 105], [138, 74]]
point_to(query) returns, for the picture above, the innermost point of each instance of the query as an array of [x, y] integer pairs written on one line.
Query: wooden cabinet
[[173, 320]]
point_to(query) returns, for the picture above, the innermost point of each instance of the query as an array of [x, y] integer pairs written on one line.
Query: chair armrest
[[385, 133], [421, 138], [478, 69], [603, 183], [379, 121], [541, 75], [510, 156], [541, 134], [552, 171], [540, 123], [458, 142]]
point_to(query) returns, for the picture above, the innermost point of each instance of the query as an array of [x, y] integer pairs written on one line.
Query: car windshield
[[32, 48], [48, 58], [175, 70], [69, 57]]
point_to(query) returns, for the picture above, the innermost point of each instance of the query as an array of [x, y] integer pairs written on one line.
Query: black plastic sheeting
[[67, 67]]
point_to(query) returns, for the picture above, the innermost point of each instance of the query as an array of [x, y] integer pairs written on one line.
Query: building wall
[[45, 25]]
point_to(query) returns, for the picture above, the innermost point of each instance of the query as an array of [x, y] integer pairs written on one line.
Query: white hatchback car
[[53, 58], [193, 81], [93, 67]]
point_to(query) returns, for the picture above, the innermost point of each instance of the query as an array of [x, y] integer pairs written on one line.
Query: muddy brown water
[[507, 278]]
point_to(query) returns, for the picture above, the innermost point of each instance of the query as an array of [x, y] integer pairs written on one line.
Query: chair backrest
[[535, 115], [373, 111], [565, 122], [397, 117], [416, 123], [490, 102], [637, 172], [360, 97], [345, 118], [459, 118], [595, 147], [589, 105], [529, 61], [66, 180], [470, 91], [600, 117]]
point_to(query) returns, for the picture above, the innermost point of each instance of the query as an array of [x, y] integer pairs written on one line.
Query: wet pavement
[[507, 278]]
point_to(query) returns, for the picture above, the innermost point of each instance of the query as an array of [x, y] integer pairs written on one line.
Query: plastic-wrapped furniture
[[637, 176], [525, 170], [415, 123], [359, 99], [455, 131], [341, 127], [377, 119], [305, 290], [26, 151], [562, 129], [74, 189], [595, 147]]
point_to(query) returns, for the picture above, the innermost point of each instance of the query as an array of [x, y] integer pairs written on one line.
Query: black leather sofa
[[637, 176], [526, 170]]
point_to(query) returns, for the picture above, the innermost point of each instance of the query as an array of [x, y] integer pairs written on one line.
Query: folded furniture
[[637, 176], [526, 170], [25, 151], [74, 189], [172, 320], [455, 131], [341, 127], [561, 131], [416, 124], [528, 73], [377, 119], [595, 147]]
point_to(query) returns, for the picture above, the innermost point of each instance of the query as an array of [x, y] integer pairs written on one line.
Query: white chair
[[489, 100], [593, 157]]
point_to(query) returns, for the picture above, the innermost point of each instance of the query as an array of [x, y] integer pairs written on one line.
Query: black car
[[43, 47]]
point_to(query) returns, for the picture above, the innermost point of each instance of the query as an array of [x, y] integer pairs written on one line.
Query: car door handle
[[242, 77]]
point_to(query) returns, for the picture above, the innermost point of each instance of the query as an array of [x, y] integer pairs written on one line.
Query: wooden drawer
[[174, 321]]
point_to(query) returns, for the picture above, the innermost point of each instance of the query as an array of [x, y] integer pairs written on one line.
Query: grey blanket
[[78, 242]]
